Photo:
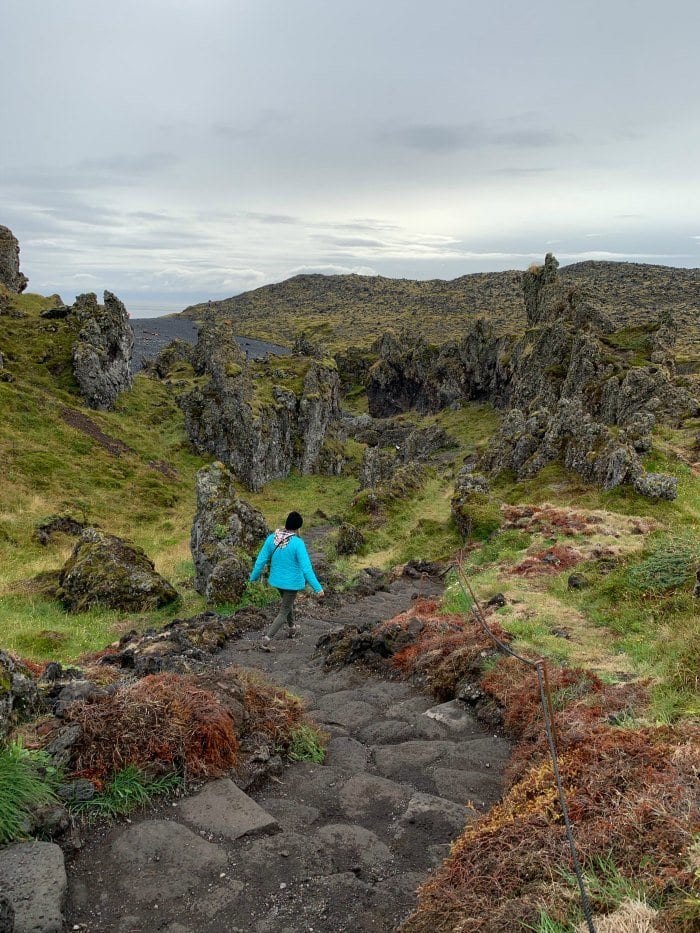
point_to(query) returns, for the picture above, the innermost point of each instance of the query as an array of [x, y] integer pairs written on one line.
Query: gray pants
[[286, 613]]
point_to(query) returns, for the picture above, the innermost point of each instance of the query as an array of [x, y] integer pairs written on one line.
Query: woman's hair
[[294, 521]]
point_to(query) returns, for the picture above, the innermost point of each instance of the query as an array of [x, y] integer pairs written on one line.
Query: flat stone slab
[[456, 716], [293, 857], [33, 878], [314, 785], [349, 714], [365, 794], [290, 814], [347, 754], [395, 761], [225, 810], [429, 812], [354, 848], [388, 731], [384, 693], [410, 708], [163, 858], [480, 754], [462, 785]]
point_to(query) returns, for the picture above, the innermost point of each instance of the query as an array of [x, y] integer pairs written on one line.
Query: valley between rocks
[[340, 846]]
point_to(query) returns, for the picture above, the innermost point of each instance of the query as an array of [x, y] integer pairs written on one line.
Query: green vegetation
[[131, 471], [128, 790], [636, 341], [306, 743], [27, 781], [546, 925]]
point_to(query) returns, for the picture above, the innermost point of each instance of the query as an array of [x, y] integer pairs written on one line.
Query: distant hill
[[347, 309]]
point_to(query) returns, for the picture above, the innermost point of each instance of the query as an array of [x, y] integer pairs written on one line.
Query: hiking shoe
[[294, 631], [266, 643]]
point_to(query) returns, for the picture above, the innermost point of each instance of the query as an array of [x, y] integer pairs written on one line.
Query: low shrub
[[668, 567], [164, 721], [306, 743]]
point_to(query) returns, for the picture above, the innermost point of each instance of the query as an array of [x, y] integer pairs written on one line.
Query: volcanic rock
[[10, 276], [474, 511], [102, 353], [105, 570], [225, 532], [263, 422], [19, 695]]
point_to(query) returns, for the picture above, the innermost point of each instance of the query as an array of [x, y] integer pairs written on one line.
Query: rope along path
[[540, 668]]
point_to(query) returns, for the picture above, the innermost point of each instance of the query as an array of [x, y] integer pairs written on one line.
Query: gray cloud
[[438, 138], [222, 145]]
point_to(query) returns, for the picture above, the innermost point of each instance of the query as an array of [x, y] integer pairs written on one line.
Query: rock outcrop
[[474, 511], [105, 570], [19, 697], [570, 390], [350, 539], [264, 419], [102, 353], [225, 533], [10, 276]]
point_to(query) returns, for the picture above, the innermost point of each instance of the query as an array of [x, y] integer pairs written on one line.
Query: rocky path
[[335, 847]]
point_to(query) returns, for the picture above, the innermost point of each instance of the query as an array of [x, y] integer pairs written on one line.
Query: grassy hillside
[[131, 471], [354, 309]]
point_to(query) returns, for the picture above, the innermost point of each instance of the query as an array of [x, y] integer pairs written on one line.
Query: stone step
[[223, 809], [33, 879]]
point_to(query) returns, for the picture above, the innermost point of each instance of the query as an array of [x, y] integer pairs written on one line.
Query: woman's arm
[[306, 567], [261, 560]]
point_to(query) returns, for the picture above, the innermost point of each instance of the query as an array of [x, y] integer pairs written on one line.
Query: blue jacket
[[290, 565]]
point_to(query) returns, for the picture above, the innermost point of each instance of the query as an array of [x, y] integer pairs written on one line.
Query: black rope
[[585, 903], [537, 666]]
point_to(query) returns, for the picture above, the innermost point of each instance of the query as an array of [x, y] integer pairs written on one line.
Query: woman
[[290, 571]]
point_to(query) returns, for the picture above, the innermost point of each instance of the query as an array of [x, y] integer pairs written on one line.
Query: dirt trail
[[336, 847]]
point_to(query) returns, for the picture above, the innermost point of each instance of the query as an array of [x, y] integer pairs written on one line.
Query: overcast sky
[[178, 150]]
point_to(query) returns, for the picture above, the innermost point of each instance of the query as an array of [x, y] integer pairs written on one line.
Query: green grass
[[647, 601], [306, 743], [607, 887], [546, 924], [27, 781], [128, 790], [52, 468], [636, 341]]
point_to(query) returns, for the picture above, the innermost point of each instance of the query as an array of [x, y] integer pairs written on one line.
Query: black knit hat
[[294, 521]]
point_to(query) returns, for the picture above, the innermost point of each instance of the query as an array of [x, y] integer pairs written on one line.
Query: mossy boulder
[[105, 570], [19, 696], [475, 513], [225, 533], [350, 539]]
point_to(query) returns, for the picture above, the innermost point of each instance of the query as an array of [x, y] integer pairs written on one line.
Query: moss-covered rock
[[350, 539], [102, 353], [263, 418], [105, 570], [19, 696], [225, 532], [475, 513]]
